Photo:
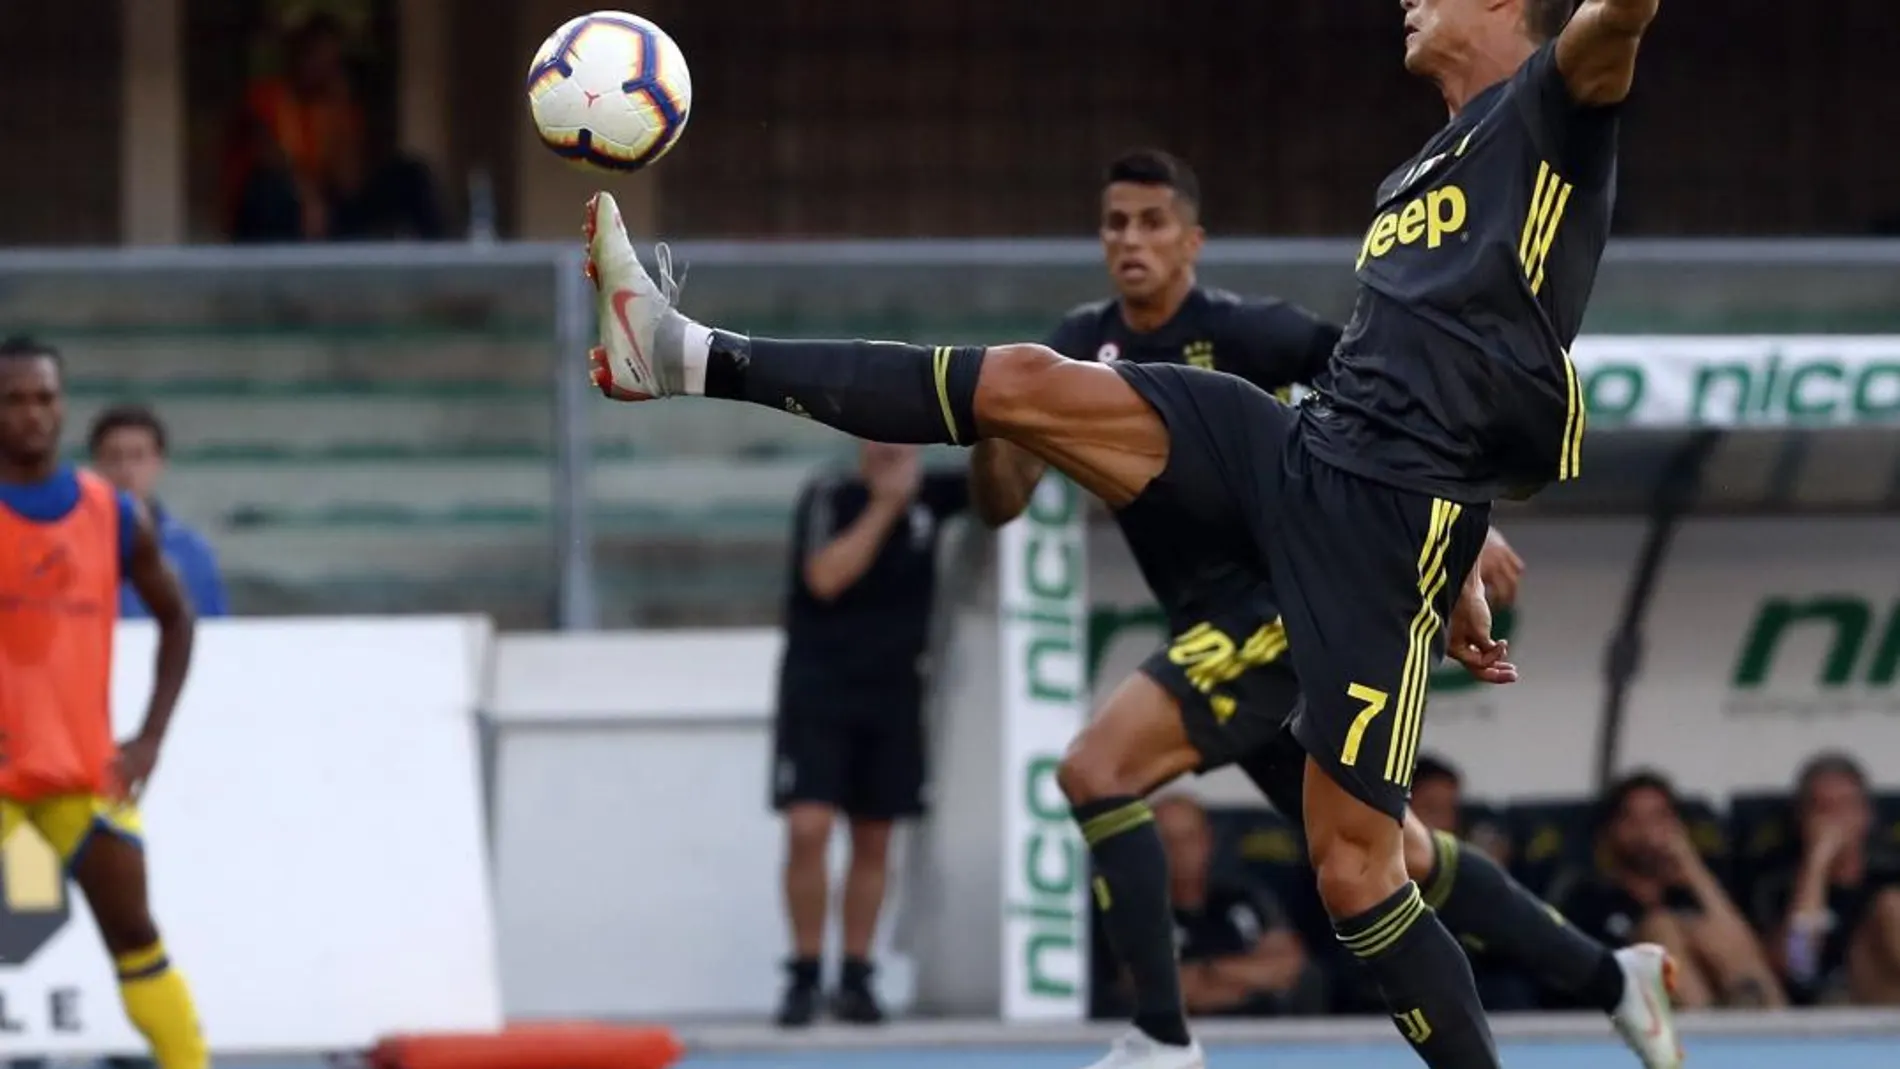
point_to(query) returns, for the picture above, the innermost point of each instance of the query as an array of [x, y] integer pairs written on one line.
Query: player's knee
[[870, 843], [1012, 388], [1357, 868], [807, 831]]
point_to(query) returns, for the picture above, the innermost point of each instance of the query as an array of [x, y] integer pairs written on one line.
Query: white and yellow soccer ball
[[610, 91]]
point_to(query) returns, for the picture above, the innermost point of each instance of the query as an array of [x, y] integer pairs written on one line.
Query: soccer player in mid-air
[[66, 540], [1221, 690], [1366, 508]]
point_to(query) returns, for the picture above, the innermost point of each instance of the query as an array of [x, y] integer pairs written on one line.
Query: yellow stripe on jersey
[[940, 359], [1416, 674], [1548, 199], [1576, 414]]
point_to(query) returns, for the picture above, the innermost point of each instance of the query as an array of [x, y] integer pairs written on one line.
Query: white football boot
[[641, 352], [1646, 1017], [1136, 1050]]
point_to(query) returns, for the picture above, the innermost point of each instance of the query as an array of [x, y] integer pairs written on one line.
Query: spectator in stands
[[1437, 794], [127, 444], [850, 730], [1239, 955], [1833, 913], [300, 167], [1651, 885]]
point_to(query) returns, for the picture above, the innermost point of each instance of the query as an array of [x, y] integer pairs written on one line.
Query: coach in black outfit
[[849, 736]]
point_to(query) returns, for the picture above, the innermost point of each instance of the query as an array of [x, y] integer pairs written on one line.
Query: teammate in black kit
[[1221, 691], [1365, 509]]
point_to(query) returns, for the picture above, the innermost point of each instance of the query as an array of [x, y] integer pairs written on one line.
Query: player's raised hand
[[1501, 569], [1469, 640]]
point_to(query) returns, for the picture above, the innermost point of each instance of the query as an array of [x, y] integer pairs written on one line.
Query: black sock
[[1477, 899], [1131, 889], [1425, 978], [882, 391]]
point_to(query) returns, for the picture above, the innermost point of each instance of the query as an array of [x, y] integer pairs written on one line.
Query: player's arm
[[1500, 569], [157, 585], [834, 560], [1596, 53], [1002, 477]]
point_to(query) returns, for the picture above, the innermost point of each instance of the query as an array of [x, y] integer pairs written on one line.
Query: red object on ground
[[533, 1046]]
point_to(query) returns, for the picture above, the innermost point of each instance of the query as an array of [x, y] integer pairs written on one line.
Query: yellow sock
[[159, 1004]]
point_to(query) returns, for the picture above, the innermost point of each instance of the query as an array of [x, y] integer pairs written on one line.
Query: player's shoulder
[[1081, 329]]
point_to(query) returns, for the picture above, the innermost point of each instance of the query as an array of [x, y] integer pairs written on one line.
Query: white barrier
[[317, 857]]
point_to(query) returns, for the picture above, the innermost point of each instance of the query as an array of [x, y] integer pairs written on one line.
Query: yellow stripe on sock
[[1445, 848], [1388, 929], [141, 963], [1116, 821], [940, 358]]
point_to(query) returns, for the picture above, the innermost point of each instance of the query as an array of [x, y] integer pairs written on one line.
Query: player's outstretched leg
[[111, 871], [1477, 898], [1382, 918], [1081, 418], [1132, 745]]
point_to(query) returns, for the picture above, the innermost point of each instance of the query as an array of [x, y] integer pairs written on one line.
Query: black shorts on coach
[[858, 750], [1365, 574]]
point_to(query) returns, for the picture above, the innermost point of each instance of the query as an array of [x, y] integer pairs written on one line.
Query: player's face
[[130, 459], [1640, 833], [31, 408], [1149, 240], [1436, 30], [1835, 798]]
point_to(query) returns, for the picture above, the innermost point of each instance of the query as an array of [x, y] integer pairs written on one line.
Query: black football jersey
[[1271, 344], [1453, 376]]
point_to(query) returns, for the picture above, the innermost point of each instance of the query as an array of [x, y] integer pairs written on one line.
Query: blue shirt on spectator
[[192, 558]]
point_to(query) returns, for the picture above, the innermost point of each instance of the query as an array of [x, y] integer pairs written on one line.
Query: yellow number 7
[[1375, 704]]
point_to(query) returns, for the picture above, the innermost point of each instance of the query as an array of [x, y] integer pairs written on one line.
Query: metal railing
[[502, 326]]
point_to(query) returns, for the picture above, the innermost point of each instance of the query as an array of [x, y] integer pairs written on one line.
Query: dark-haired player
[[1222, 691], [1366, 508], [66, 539]]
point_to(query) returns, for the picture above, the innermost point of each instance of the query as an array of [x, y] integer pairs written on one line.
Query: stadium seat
[[1762, 832], [1887, 819], [1547, 837]]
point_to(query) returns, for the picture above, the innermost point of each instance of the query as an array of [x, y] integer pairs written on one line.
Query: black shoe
[[853, 1002], [856, 1005], [799, 1007]]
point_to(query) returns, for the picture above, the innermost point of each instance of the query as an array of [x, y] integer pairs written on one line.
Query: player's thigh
[[101, 842], [1367, 576], [1079, 417], [887, 771], [810, 753], [1234, 684]]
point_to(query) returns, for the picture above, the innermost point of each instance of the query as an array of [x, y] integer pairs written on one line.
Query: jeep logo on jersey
[[33, 904], [1428, 219]]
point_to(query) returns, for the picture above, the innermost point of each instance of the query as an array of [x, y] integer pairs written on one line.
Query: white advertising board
[[1742, 380], [315, 836], [1044, 627]]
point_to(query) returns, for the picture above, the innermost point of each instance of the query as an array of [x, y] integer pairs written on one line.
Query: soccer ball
[[610, 91]]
